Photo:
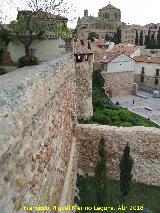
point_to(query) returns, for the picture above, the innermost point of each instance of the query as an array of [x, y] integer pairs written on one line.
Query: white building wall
[[45, 49], [149, 68], [121, 64]]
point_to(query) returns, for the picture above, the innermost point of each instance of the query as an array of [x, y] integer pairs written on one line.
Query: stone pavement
[[140, 104]]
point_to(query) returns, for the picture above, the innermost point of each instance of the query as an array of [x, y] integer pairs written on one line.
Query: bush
[[27, 61], [3, 71]]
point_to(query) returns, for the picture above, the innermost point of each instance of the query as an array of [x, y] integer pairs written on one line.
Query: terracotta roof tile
[[117, 50], [99, 42], [81, 49], [147, 59]]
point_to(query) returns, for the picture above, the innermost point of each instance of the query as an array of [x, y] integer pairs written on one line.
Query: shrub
[[3, 71], [27, 61]]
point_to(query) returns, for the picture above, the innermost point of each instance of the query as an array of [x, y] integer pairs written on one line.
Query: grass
[[140, 194], [107, 113], [118, 117]]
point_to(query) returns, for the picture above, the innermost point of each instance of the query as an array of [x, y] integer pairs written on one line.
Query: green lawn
[[140, 194], [118, 117]]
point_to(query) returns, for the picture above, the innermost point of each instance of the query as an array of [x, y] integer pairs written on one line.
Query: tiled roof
[[81, 49], [147, 59], [117, 50], [110, 57], [123, 48], [100, 42]]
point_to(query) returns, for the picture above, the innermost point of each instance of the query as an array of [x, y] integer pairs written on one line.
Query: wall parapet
[[37, 116]]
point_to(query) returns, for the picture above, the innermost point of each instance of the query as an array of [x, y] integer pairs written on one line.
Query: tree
[[158, 39], [101, 174], [118, 35], [141, 38], [107, 37], [148, 40], [136, 39], [4, 40], [115, 39], [89, 45], [93, 36], [153, 41], [126, 165], [34, 23]]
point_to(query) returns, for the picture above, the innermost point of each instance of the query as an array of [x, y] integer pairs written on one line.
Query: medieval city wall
[[144, 143], [84, 89], [38, 156]]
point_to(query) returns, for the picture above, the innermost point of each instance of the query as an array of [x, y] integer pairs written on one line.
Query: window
[[156, 81], [79, 58], [86, 57], [142, 70], [157, 72]]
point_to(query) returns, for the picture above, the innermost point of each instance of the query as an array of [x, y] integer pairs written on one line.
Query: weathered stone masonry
[[145, 149], [41, 144], [37, 146]]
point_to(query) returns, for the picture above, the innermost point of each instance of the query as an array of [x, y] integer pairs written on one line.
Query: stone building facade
[[118, 73], [129, 32], [147, 72], [107, 22]]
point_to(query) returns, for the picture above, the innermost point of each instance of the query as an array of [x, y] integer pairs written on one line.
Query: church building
[[107, 22]]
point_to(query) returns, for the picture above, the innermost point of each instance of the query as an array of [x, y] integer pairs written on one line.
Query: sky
[[133, 12]]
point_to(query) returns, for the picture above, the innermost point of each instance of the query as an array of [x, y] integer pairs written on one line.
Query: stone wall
[[144, 143], [148, 82], [84, 88], [37, 147], [121, 83]]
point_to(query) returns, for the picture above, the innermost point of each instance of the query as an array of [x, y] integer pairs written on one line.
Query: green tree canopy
[[34, 23], [153, 41], [4, 38], [158, 39], [148, 40], [101, 174], [107, 37], [126, 165], [141, 38], [93, 36], [136, 39]]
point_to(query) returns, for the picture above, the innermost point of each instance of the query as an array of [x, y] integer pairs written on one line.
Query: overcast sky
[[133, 12]]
